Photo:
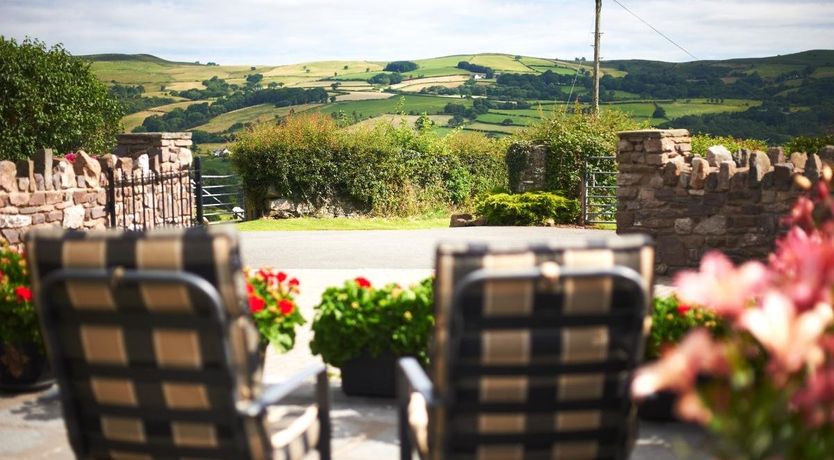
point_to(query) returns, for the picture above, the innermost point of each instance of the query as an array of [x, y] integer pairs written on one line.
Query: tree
[[659, 112], [51, 99], [507, 122], [332, 98], [335, 86], [423, 122]]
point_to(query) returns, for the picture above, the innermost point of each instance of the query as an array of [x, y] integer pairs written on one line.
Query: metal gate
[[599, 197], [222, 198], [141, 201]]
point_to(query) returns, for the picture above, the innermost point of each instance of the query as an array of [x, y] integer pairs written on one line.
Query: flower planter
[[24, 368], [659, 407], [367, 375]]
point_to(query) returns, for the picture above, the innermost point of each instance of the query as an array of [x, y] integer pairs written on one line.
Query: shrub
[[401, 66], [532, 208], [357, 318], [808, 144], [51, 99], [672, 320], [381, 170], [571, 139], [701, 142]]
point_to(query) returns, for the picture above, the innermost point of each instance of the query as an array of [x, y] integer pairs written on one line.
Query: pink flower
[[678, 368], [70, 157], [816, 400], [791, 339], [363, 282], [721, 286], [804, 265]]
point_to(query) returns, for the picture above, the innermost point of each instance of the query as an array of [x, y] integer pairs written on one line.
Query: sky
[[291, 31]]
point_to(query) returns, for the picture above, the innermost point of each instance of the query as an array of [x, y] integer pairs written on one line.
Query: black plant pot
[[659, 407], [373, 376], [24, 368]]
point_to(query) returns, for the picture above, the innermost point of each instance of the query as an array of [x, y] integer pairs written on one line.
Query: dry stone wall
[[70, 191], [729, 201]]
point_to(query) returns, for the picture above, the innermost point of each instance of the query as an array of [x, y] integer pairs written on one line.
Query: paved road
[[399, 249]]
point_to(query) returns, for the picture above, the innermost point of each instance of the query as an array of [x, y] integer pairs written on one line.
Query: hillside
[[771, 98]]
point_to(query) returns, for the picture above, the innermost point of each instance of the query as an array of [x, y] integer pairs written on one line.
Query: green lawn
[[345, 223], [680, 108], [498, 118]]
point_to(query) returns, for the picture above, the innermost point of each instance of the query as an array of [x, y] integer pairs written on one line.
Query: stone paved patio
[[31, 426]]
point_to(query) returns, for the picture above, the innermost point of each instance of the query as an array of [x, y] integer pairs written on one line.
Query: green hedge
[[532, 208], [570, 140], [381, 170]]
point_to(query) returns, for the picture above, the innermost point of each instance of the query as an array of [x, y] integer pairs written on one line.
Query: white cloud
[[285, 31]]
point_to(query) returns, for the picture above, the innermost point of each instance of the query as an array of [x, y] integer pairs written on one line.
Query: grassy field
[[439, 120], [254, 114], [409, 103], [344, 223], [497, 118], [644, 110]]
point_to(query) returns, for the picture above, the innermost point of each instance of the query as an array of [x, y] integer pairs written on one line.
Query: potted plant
[[24, 365], [764, 387], [363, 330], [671, 321], [271, 296]]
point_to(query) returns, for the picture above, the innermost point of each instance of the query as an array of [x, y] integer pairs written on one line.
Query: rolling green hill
[[766, 96]]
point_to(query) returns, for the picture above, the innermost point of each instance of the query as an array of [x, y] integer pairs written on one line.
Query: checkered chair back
[[536, 368], [150, 341]]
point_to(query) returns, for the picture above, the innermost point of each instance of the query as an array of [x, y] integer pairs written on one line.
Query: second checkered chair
[[532, 355], [155, 353]]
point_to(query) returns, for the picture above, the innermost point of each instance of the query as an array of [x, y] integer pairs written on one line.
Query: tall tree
[[49, 98]]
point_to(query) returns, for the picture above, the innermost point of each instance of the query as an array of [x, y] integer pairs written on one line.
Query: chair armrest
[[274, 393], [415, 377]]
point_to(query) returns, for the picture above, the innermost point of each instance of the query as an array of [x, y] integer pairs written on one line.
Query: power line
[[653, 28]]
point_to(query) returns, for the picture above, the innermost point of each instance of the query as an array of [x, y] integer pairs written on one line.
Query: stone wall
[[733, 202], [71, 191]]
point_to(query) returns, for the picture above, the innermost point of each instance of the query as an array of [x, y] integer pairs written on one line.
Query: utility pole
[[596, 57]]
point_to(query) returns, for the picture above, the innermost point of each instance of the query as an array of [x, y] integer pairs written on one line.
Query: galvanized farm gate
[[221, 198], [599, 191]]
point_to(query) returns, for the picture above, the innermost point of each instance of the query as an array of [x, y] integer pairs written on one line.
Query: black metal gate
[[599, 191], [141, 201]]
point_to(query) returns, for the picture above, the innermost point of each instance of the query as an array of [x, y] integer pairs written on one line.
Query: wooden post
[[596, 56]]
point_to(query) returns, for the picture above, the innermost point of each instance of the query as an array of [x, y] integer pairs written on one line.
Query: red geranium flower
[[281, 277], [294, 282], [256, 304], [24, 294], [363, 282], [683, 308], [286, 306], [249, 289]]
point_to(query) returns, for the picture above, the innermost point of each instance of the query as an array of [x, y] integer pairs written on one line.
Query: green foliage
[[401, 66], [671, 321], [18, 318], [659, 112], [531, 208], [701, 142], [571, 139], [808, 144], [358, 317], [381, 170], [49, 98]]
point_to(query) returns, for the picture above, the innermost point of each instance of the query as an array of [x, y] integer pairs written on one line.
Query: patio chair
[[532, 354], [155, 352]]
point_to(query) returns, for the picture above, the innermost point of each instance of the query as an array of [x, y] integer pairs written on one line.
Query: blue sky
[[291, 31]]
